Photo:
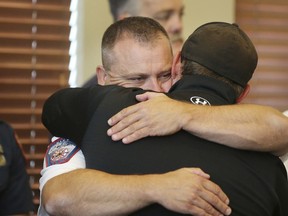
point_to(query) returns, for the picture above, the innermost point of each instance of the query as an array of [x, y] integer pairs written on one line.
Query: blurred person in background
[[15, 192], [167, 12]]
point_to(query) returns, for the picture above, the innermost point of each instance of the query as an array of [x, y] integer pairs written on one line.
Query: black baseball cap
[[223, 48]]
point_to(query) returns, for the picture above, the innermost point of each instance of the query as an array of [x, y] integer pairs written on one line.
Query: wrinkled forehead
[[142, 39], [131, 55], [131, 46], [126, 43]]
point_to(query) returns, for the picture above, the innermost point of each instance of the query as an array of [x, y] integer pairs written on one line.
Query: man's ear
[[176, 67], [101, 75], [243, 94]]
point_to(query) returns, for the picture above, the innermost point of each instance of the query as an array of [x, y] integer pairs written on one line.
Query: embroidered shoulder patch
[[199, 101], [60, 151]]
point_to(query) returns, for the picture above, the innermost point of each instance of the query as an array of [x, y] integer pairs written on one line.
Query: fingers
[[192, 194], [137, 108], [128, 129], [203, 202], [209, 196], [142, 97], [200, 207], [137, 121], [129, 124], [217, 198], [116, 118], [131, 134], [125, 113], [148, 95], [138, 134], [132, 109], [122, 119], [120, 131], [200, 172]]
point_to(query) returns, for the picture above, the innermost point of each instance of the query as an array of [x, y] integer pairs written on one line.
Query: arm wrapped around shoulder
[[63, 113]]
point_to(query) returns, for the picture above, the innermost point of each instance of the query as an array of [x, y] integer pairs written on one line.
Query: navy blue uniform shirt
[[15, 191]]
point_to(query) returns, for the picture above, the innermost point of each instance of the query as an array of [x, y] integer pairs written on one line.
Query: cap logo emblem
[[199, 101]]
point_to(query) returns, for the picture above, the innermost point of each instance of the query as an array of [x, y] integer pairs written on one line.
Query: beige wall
[[94, 18]]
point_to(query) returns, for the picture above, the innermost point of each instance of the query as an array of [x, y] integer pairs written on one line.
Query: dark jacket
[[255, 182]]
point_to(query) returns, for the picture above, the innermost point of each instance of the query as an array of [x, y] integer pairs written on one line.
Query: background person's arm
[[242, 126], [92, 192]]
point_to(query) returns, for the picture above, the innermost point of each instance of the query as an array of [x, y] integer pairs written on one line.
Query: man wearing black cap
[[215, 73]]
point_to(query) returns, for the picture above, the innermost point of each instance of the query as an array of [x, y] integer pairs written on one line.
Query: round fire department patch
[[60, 151]]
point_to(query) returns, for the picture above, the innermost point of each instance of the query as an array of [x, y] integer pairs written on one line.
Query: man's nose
[[155, 85], [175, 24]]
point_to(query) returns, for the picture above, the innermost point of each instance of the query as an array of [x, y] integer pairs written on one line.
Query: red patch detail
[[60, 151]]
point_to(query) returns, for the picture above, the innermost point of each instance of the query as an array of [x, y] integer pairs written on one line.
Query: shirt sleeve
[[59, 166], [62, 156]]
